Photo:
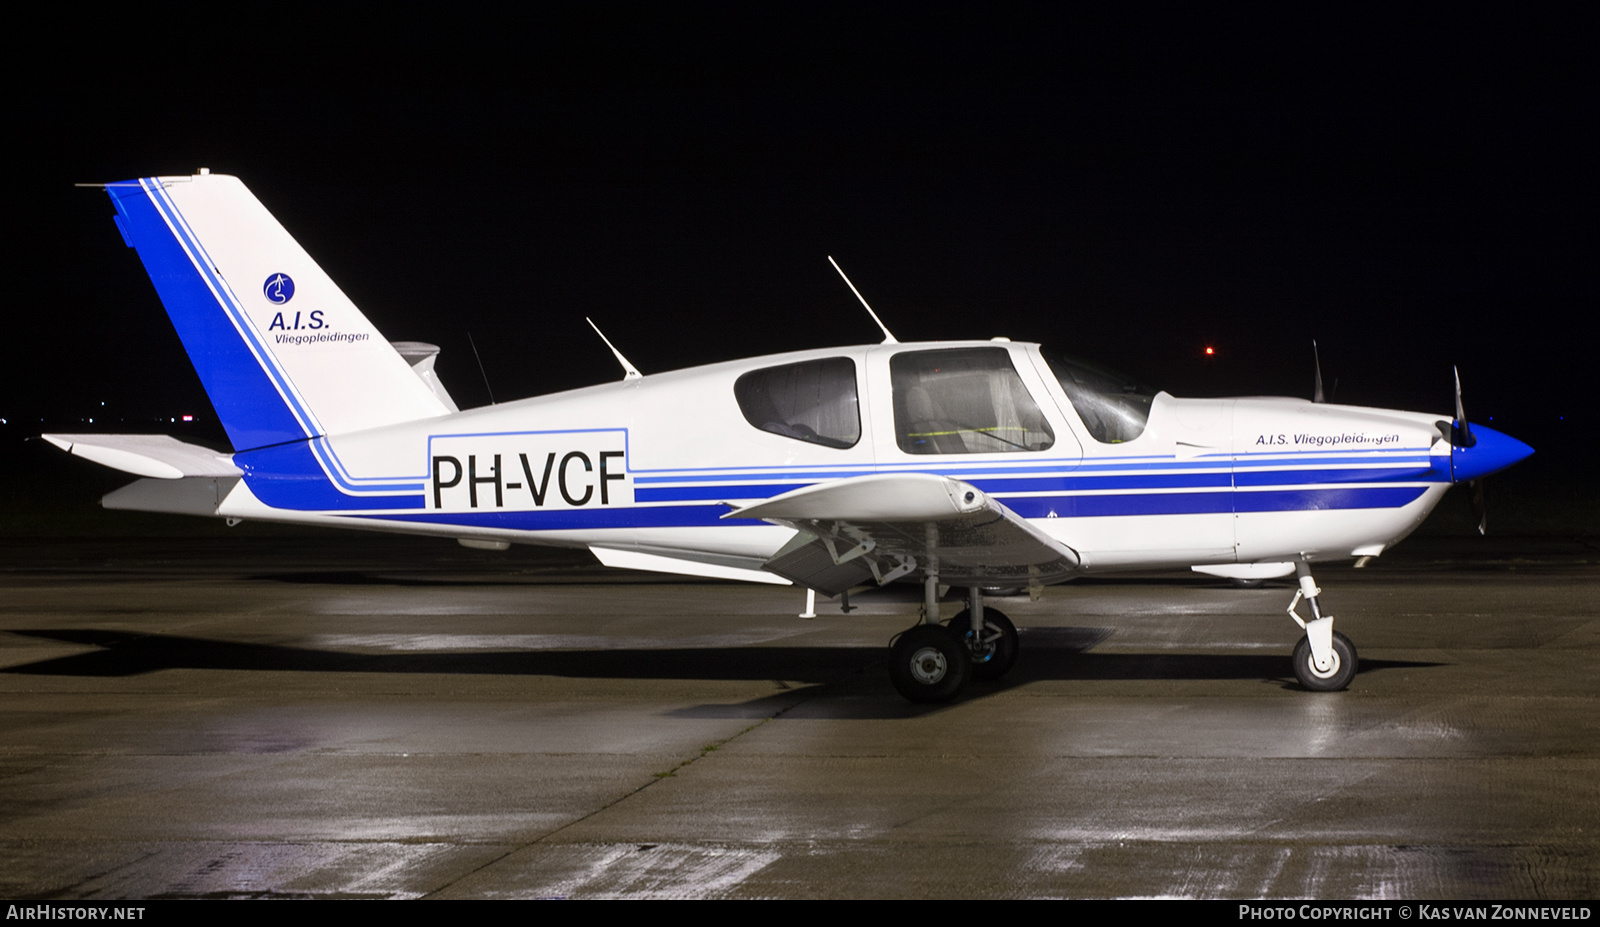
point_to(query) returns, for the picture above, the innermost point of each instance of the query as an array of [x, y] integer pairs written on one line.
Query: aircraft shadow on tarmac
[[1048, 654], [598, 576], [566, 575]]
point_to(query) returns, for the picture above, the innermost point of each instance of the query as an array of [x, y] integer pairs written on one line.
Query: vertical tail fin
[[283, 353]]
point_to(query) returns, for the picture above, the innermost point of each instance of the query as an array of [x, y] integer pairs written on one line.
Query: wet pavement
[[398, 718]]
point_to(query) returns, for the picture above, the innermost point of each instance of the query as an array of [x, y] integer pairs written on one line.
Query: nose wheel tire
[[1334, 678], [994, 657], [928, 664]]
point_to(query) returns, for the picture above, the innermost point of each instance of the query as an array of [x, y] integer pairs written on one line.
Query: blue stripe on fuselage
[[685, 516], [1079, 483], [639, 516], [288, 476], [1295, 500]]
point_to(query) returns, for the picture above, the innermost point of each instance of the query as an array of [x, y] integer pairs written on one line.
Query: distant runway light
[[1210, 351]]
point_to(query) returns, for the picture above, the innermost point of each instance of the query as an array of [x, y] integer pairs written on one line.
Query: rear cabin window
[[812, 401], [964, 401]]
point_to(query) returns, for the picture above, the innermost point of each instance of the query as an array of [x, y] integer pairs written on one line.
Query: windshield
[[1114, 407]]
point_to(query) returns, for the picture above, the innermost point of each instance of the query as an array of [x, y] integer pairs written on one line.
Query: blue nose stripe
[[1493, 451]]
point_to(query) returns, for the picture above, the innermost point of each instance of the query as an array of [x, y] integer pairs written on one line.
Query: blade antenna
[[481, 371], [629, 372], [888, 338], [1316, 359]]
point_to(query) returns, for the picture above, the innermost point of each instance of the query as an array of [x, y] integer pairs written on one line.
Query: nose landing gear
[[1324, 660], [1329, 677]]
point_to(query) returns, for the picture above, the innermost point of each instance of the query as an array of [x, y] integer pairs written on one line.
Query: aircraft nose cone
[[1493, 451]]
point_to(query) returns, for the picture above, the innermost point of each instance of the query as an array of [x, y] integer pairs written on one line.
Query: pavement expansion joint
[[705, 751]]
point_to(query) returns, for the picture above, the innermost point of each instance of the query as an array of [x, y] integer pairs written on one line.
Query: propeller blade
[[1461, 436], [1463, 432]]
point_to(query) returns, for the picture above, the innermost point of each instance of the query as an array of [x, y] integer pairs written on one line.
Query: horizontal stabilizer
[[160, 456], [192, 495]]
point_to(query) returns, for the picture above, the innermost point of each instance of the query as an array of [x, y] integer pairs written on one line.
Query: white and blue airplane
[[975, 464]]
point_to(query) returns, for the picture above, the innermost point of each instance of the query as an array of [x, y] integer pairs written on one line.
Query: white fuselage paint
[[647, 464]]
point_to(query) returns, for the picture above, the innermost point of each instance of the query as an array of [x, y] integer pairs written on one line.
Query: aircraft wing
[[889, 525]]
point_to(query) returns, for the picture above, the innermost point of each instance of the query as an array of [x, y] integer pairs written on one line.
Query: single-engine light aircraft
[[974, 464]]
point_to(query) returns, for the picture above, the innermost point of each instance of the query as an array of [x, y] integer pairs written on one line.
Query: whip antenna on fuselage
[[888, 338], [1316, 361], [629, 372], [485, 373]]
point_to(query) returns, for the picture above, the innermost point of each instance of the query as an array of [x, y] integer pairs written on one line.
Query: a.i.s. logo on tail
[[278, 289]]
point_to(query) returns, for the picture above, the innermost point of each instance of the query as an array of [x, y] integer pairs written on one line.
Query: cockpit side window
[[964, 401], [1114, 408], [812, 401]]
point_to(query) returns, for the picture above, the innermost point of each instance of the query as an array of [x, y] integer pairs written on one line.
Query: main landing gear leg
[[928, 662], [990, 637], [1324, 660]]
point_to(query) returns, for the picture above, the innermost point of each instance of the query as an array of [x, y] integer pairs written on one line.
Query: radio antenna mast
[[629, 372], [888, 338], [480, 368]]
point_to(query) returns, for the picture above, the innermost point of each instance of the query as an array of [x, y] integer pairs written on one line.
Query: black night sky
[[1413, 186]]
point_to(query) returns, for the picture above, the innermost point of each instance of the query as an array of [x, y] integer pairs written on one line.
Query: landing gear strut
[[1324, 660], [931, 662], [990, 637]]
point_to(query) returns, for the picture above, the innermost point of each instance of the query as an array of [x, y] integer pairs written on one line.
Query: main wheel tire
[[993, 660], [1240, 582], [927, 663], [1344, 665]]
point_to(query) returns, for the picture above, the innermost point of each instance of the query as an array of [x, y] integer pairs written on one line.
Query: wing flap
[[680, 565], [885, 526]]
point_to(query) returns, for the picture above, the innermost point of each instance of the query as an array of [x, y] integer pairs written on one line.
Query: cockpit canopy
[[1114, 407], [962, 400]]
